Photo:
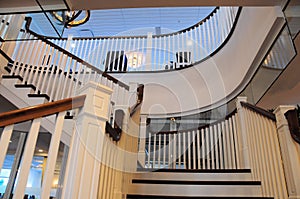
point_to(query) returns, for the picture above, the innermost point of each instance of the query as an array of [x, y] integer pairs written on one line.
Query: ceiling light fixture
[[71, 18]]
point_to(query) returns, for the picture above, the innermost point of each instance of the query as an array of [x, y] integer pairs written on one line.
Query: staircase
[[168, 183], [220, 168]]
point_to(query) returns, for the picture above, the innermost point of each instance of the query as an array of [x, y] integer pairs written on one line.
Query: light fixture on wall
[[71, 18], [135, 59]]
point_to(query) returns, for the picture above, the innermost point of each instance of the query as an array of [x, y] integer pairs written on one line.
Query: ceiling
[[7, 6]]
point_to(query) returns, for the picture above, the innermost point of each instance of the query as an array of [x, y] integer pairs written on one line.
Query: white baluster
[[208, 150], [194, 149], [174, 151], [154, 151], [184, 150], [198, 148], [41, 72], [27, 159], [165, 149], [159, 150], [52, 156], [221, 146], [149, 150], [216, 146], [203, 151], [212, 147], [4, 142], [179, 149]]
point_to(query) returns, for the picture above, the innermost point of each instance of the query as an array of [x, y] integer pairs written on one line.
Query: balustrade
[[156, 52]]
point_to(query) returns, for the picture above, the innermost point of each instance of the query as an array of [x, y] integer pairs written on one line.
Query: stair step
[[183, 197], [12, 77], [39, 95], [183, 182], [25, 86], [193, 176], [227, 190], [203, 170], [7, 68]]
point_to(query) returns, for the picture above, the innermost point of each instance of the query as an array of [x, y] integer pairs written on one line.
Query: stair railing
[[156, 52], [213, 147], [245, 139], [55, 72], [264, 150], [35, 116]]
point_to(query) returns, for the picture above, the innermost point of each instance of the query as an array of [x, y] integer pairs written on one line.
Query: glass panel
[[292, 13]]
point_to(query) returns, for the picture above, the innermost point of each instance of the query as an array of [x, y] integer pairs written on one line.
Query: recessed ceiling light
[[40, 150]]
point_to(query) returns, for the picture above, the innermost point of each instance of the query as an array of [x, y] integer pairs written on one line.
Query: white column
[[244, 150], [290, 152], [83, 168]]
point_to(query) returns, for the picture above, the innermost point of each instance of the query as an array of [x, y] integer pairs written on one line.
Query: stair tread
[[12, 77], [25, 86], [194, 190], [200, 170], [199, 182], [39, 95], [132, 196]]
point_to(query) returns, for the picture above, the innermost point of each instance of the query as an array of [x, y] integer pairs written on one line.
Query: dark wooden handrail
[[42, 110], [200, 127], [112, 132], [44, 39], [292, 119], [259, 110], [140, 96], [211, 14], [6, 56]]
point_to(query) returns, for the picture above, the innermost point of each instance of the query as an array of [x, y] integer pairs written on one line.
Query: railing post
[[290, 152], [142, 140], [121, 155], [242, 140], [83, 169], [149, 52], [12, 32]]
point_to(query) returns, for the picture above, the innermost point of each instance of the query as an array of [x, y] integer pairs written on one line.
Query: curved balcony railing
[[156, 52]]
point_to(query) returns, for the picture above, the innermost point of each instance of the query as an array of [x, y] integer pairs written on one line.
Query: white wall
[[209, 83]]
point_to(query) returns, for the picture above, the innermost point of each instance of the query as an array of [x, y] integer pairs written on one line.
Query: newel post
[[290, 152], [84, 161], [243, 143]]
